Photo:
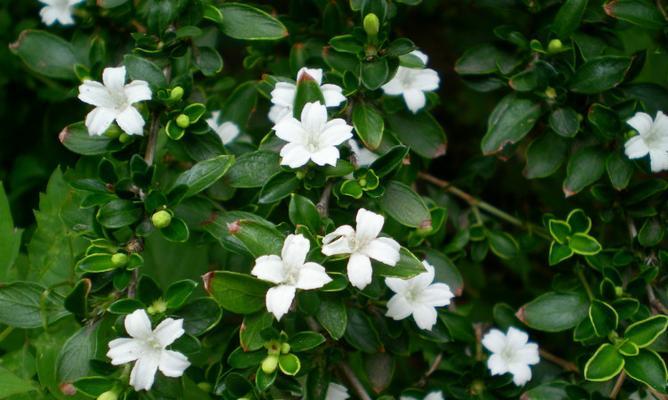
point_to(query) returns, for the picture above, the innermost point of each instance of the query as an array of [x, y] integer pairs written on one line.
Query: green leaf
[[278, 187], [485, 59], [302, 211], [651, 233], [250, 333], [578, 221], [559, 230], [583, 244], [360, 332], [178, 292], [253, 170], [262, 380], [204, 174], [559, 253], [93, 386], [259, 238], [404, 205], [644, 333], [585, 167], [96, 263], [240, 104], [604, 365], [289, 364], [649, 368], [512, 119], [603, 317], [245, 22], [11, 385], [142, 69], [637, 12], [556, 390], [74, 358], [304, 341], [29, 305], [565, 122], [177, 231], [620, 170], [208, 60], [119, 213], [445, 270], [430, 143], [332, 315], [503, 244], [554, 312], [240, 358], [239, 293], [308, 91], [545, 155], [369, 125], [568, 18], [11, 237], [77, 139], [46, 54], [600, 74], [408, 266], [628, 348], [200, 316], [389, 161], [375, 73]]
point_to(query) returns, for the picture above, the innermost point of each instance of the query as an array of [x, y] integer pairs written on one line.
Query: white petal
[[49, 15], [369, 225], [423, 57], [125, 350], [295, 249], [398, 308], [94, 93], [143, 373], [338, 242], [383, 249], [173, 363], [415, 99], [425, 316], [516, 338], [636, 147], [395, 86], [660, 126], [294, 155], [315, 73], [332, 94], [426, 278], [436, 295], [138, 325], [658, 160], [641, 122], [114, 78], [279, 299], [494, 341], [363, 156], [131, 121], [277, 113], [168, 331], [426, 80], [326, 156], [521, 373], [336, 392], [314, 117], [291, 130], [312, 276], [359, 270], [269, 268], [528, 354], [283, 94], [434, 395], [137, 91], [335, 132], [397, 285], [497, 365], [227, 132], [99, 120]]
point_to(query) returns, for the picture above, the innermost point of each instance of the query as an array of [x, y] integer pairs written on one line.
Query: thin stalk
[[566, 365], [618, 385], [152, 140], [5, 332], [354, 382], [584, 282]]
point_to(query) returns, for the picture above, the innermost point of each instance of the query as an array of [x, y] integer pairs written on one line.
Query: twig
[[659, 5], [354, 382], [432, 368], [152, 140], [657, 395], [482, 205], [5, 333], [618, 385], [584, 281], [566, 365], [323, 204], [654, 302]]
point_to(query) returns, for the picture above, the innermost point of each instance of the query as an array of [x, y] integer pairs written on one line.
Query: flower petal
[[269, 268], [359, 270], [395, 86], [314, 117], [312, 276], [99, 120], [291, 130], [397, 285], [425, 316], [277, 113], [326, 156], [434, 395], [294, 155], [114, 78], [335, 132], [125, 350], [278, 300], [138, 325], [295, 249], [422, 56], [94, 93], [383, 249], [315, 73], [658, 159], [338, 242], [398, 308], [641, 122], [494, 341], [227, 132], [436, 295], [636, 147], [137, 91], [521, 373], [415, 99], [426, 80], [131, 121], [168, 331], [528, 354], [369, 225], [336, 392], [497, 365], [143, 373], [660, 126], [284, 94], [332, 94], [516, 338], [173, 363]]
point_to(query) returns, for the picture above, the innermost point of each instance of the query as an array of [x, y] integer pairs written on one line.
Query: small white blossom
[[336, 392], [289, 272], [652, 139], [431, 396], [149, 349], [227, 131], [411, 83], [113, 102], [363, 156], [511, 353], [312, 138], [362, 244], [283, 95], [419, 297], [58, 11]]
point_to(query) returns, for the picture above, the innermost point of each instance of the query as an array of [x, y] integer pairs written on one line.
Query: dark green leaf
[[46, 54], [510, 121], [405, 206], [546, 312], [239, 293], [245, 22], [600, 74]]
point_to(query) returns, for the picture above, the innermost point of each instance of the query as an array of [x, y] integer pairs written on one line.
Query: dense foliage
[[260, 201]]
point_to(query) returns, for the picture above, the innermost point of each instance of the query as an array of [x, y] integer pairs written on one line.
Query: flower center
[[119, 99], [153, 343]]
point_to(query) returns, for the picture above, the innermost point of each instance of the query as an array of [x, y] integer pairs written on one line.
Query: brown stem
[[152, 140], [432, 368], [618, 385], [566, 365], [354, 382], [654, 302], [323, 204]]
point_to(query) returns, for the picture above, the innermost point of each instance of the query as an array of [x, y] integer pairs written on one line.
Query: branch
[[654, 302], [323, 204], [618, 385], [152, 140], [354, 382], [432, 368], [566, 365]]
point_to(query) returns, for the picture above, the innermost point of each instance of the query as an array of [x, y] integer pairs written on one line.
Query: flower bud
[[108, 395], [159, 306], [124, 138], [371, 24], [555, 46], [161, 219], [119, 259], [183, 121], [204, 386], [113, 132], [285, 348], [550, 93], [619, 291], [176, 93], [269, 364]]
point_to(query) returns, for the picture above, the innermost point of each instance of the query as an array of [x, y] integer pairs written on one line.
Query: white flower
[[113, 102], [363, 156], [431, 396], [362, 244], [412, 83], [58, 10], [336, 392], [418, 297], [289, 272], [313, 138], [283, 95], [148, 349], [511, 353], [227, 131], [652, 139]]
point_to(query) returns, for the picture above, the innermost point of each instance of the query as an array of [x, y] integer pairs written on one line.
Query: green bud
[[124, 138], [176, 93], [108, 395], [159, 306], [161, 219], [205, 386], [371, 24], [119, 259], [555, 46], [477, 387], [113, 132], [619, 291], [362, 182], [273, 347], [631, 133], [285, 348], [269, 364], [550, 93], [425, 228], [183, 121], [300, 174]]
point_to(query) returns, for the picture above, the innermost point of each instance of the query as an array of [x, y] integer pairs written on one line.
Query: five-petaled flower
[[289, 272], [512, 353], [312, 138], [149, 349], [419, 297], [58, 11], [652, 139], [362, 244], [283, 95], [227, 131], [411, 83], [336, 391], [113, 102]]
